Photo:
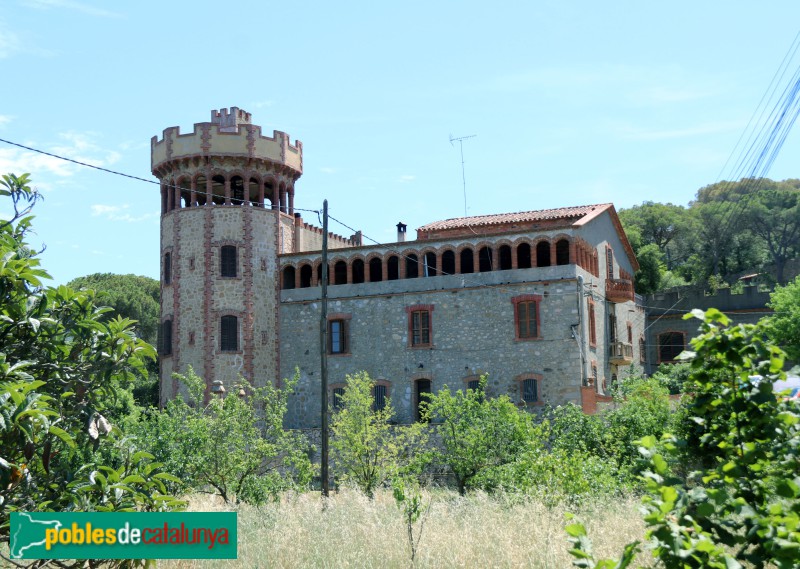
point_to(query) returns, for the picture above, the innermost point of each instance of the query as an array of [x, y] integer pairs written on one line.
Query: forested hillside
[[730, 229]]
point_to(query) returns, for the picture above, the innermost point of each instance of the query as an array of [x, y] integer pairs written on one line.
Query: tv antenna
[[460, 141]]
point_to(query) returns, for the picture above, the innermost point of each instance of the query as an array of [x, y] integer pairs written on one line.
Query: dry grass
[[476, 531]]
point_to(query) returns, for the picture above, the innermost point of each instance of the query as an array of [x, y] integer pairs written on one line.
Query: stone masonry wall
[[473, 332]]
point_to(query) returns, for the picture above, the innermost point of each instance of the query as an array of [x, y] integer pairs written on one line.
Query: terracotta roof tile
[[565, 213]]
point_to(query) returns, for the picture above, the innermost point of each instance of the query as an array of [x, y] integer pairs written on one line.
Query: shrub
[[368, 450]]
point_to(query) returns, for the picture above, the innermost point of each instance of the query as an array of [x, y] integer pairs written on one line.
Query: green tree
[[648, 277], [234, 446], [743, 507], [478, 433], [662, 225], [129, 296], [783, 326], [136, 298], [63, 366], [773, 215], [368, 450]]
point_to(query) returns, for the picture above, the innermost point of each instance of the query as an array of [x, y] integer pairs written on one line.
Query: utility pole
[[323, 351], [460, 141]]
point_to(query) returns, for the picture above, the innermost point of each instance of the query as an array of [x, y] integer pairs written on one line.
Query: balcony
[[620, 354], [619, 290]]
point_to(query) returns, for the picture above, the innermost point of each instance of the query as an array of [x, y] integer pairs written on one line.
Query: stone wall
[[473, 332]]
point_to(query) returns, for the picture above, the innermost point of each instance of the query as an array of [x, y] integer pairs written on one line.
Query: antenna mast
[[460, 141]]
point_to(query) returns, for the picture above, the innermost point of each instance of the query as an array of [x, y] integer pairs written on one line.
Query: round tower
[[227, 211]]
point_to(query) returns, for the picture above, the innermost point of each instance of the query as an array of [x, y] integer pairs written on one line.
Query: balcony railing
[[619, 290], [620, 353]]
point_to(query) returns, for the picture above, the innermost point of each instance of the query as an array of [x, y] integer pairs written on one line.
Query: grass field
[[473, 531]]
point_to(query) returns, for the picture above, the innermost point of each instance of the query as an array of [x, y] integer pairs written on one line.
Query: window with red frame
[[420, 327]]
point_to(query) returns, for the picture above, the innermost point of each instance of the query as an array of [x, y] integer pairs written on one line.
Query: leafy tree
[[136, 298], [783, 326], [233, 446], [368, 450], [478, 433], [129, 296], [774, 215], [63, 366], [648, 277], [662, 225], [743, 507]]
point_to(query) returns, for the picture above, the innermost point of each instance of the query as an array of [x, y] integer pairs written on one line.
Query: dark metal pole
[[323, 350]]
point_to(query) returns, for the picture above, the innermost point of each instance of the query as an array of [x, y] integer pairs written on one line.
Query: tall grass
[[350, 530]]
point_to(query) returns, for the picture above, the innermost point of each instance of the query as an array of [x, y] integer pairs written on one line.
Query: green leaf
[[63, 435]]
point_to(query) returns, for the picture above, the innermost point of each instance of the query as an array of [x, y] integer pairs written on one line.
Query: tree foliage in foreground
[[368, 451], [63, 369], [234, 446], [783, 326], [744, 507], [477, 433]]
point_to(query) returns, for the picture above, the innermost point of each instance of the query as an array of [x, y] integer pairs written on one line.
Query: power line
[[123, 174]]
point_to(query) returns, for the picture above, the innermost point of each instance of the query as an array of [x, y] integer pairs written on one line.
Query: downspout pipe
[[578, 335]]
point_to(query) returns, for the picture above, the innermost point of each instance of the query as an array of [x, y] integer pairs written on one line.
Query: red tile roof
[[565, 213]]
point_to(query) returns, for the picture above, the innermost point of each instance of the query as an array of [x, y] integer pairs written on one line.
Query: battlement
[[751, 298], [230, 119], [230, 133]]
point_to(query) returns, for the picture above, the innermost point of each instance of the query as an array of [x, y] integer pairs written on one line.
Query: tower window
[[166, 338], [229, 334], [228, 262], [167, 268]]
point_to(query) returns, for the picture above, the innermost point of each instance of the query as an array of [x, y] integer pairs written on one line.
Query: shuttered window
[[229, 334], [228, 262]]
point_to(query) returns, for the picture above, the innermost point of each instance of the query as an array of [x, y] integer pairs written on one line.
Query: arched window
[[562, 252], [467, 264], [430, 264], [504, 257], [340, 273], [524, 256], [422, 390], [412, 267], [375, 270], [305, 276], [670, 344], [485, 260], [393, 268], [288, 277], [543, 254], [358, 271], [237, 190], [448, 263]]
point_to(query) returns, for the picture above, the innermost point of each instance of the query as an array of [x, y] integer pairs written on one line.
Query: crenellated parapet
[[229, 133]]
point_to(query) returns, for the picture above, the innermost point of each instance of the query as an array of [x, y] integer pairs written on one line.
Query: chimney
[[401, 232]]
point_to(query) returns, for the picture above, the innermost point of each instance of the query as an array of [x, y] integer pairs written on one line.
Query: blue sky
[[572, 103]]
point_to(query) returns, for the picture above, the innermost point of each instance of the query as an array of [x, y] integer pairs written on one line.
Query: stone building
[[541, 301]]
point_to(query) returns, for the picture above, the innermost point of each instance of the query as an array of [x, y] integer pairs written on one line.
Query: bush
[[232, 446]]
